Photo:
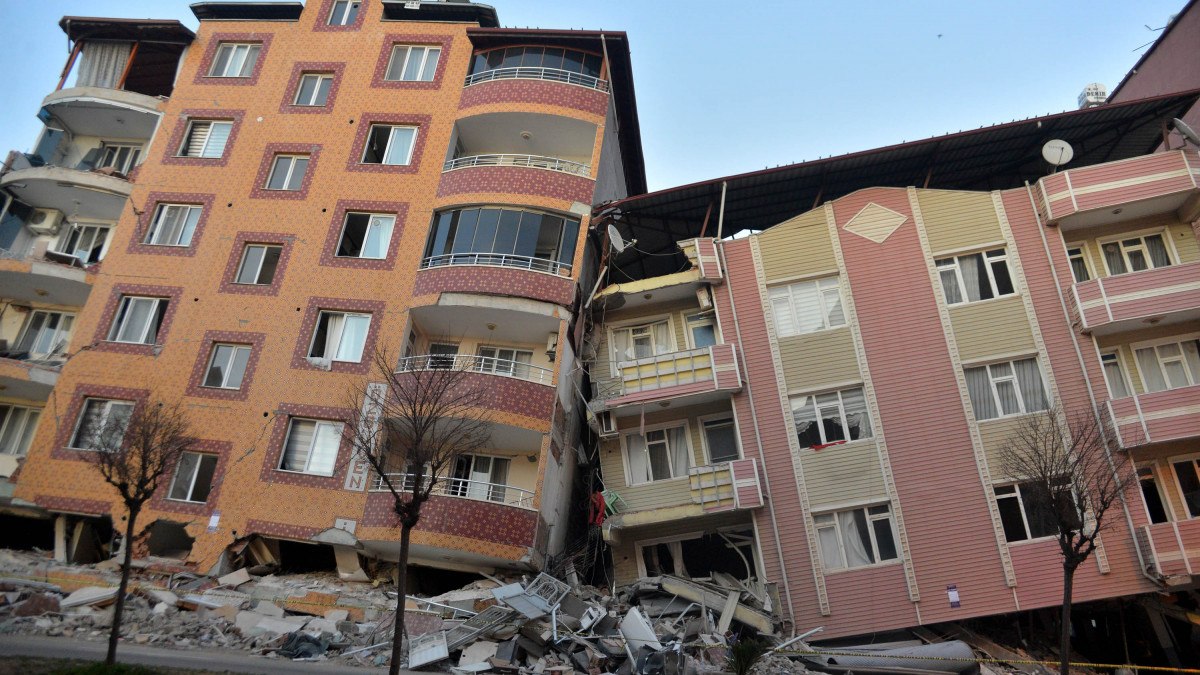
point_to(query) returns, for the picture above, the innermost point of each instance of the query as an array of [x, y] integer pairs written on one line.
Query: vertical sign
[[368, 426]]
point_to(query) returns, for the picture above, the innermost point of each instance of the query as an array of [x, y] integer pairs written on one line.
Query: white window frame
[[825, 287], [289, 172], [308, 461], [191, 489], [706, 318], [388, 147], [20, 431], [122, 316], [87, 230], [154, 232], [871, 519], [992, 382], [1115, 356], [204, 151], [704, 421], [227, 370], [1085, 256], [372, 224], [338, 343], [498, 365], [258, 272], [233, 47], [60, 336], [1155, 344], [1016, 494], [841, 406], [665, 426], [350, 10], [1194, 459], [633, 324], [108, 404], [426, 50], [1168, 246], [312, 102], [952, 263], [112, 151]]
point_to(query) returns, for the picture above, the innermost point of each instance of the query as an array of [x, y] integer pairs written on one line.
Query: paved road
[[200, 659]]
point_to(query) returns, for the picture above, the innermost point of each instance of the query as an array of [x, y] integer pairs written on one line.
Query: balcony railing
[[527, 161], [1171, 550], [684, 373], [498, 260], [1128, 299], [538, 73], [726, 486], [462, 488], [479, 364]]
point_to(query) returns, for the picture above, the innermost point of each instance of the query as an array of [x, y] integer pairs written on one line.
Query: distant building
[[1093, 95]]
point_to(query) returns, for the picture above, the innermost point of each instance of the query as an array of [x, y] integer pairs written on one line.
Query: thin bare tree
[[1073, 483], [134, 454], [414, 418]]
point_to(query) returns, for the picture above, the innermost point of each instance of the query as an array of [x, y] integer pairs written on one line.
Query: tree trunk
[[115, 631], [401, 594], [1064, 645]]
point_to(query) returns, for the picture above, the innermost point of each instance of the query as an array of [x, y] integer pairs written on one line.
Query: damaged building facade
[[796, 380]]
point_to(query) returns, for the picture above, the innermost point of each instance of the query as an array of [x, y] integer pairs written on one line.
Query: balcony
[[525, 161], [473, 533], [1167, 415], [459, 488], [1160, 296], [1171, 550], [568, 78], [104, 112], [728, 486], [683, 377], [507, 386], [28, 380], [35, 278], [479, 364], [534, 73], [1107, 193], [76, 189]]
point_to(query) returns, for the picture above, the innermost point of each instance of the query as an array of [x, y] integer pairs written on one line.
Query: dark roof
[[460, 11], [150, 30], [236, 10], [997, 157], [621, 80], [1145, 55]]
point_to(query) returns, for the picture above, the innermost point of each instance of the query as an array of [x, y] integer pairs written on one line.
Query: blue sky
[[727, 87]]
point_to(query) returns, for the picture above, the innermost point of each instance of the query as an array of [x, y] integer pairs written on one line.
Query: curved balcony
[[538, 86], [28, 380], [30, 279], [526, 161], [107, 113], [507, 386], [503, 174], [1158, 296], [469, 531], [496, 274], [538, 73], [92, 194], [1168, 415], [461, 488], [479, 364]]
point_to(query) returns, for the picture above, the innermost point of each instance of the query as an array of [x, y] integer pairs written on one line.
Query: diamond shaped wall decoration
[[875, 222]]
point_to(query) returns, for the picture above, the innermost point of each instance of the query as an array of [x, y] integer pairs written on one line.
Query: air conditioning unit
[[45, 221], [704, 297], [607, 423]]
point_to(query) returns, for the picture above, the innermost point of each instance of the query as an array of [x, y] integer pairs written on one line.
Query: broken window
[[1027, 510], [842, 416], [701, 555], [1155, 504]]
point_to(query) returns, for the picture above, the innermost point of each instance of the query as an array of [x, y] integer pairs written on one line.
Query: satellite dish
[[1187, 131], [1057, 152], [615, 238]]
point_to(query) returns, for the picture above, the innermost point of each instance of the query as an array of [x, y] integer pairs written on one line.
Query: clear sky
[[727, 87]]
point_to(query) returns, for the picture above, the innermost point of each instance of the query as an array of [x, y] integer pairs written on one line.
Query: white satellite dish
[[615, 238], [1057, 152], [1187, 131]]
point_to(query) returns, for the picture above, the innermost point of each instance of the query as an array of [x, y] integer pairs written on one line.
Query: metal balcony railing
[[528, 161], [480, 364], [499, 260], [462, 488], [538, 73]]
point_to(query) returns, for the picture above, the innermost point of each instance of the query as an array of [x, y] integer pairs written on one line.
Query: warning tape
[[1022, 662]]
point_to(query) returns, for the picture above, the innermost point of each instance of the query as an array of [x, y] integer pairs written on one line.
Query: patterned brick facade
[[459, 517], [537, 92], [517, 180], [496, 281], [195, 386], [333, 238], [300, 68], [137, 243], [84, 507], [100, 341]]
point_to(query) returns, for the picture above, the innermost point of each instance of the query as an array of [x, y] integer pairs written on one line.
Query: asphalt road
[[199, 659]]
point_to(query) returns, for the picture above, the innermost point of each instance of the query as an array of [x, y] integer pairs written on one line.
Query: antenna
[[617, 241], [1188, 133], [1057, 152]]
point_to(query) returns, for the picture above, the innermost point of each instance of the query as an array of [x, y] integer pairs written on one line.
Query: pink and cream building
[[817, 404]]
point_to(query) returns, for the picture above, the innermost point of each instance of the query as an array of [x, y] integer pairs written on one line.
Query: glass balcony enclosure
[[505, 237]]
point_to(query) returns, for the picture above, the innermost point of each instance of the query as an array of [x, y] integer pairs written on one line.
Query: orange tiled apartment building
[[239, 218]]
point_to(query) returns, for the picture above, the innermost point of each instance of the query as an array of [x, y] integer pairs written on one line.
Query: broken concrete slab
[[234, 579], [478, 652], [37, 605], [638, 632], [216, 597], [337, 615], [93, 596], [268, 609]]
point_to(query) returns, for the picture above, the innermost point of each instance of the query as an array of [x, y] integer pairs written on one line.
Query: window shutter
[[217, 137], [197, 139]]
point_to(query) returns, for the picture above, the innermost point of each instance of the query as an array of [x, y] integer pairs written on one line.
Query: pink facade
[[1157, 417]]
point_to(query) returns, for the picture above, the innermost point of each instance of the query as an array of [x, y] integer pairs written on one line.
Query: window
[[1136, 254], [235, 59], [119, 156], [1079, 265], [856, 538], [1187, 473], [660, 454], [975, 277], [442, 355], [259, 262], [85, 242], [505, 361], [340, 336], [46, 334], [702, 330], [507, 237], [227, 366], [720, 437], [1114, 374], [387, 144], [631, 343], [311, 446], [17, 425], [554, 58], [101, 423], [807, 306], [411, 63], [1008, 388], [479, 477], [1027, 510], [366, 235], [1156, 507], [138, 320], [287, 172], [206, 139], [1169, 365], [344, 13], [842, 415], [173, 225], [193, 477], [313, 89]]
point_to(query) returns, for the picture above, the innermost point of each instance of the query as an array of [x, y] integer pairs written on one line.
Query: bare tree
[[415, 419], [1072, 484], [133, 454]]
